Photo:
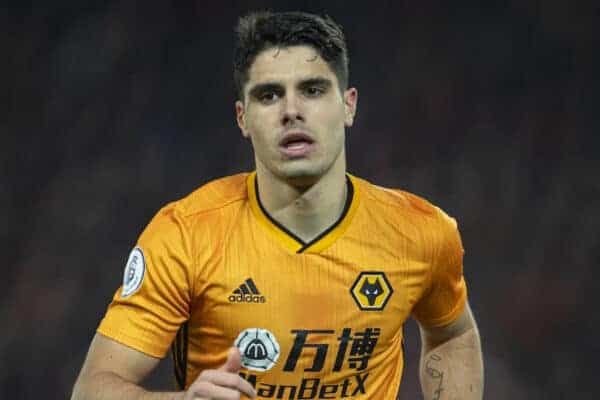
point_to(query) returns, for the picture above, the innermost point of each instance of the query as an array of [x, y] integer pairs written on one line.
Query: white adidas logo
[[247, 293]]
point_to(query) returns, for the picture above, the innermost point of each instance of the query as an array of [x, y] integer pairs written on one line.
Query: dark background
[[489, 109]]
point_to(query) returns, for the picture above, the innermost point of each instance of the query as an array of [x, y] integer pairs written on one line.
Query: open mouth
[[296, 144], [296, 140]]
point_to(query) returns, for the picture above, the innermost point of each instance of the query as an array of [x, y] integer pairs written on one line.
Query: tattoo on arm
[[435, 374]]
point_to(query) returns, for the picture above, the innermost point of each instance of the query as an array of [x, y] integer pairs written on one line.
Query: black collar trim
[[306, 245]]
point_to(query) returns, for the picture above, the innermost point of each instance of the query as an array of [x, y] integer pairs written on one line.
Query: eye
[[268, 97], [313, 91]]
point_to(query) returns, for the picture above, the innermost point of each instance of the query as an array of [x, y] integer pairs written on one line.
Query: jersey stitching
[[194, 260], [407, 204], [215, 208]]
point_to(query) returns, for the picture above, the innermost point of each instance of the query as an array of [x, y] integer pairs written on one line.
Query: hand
[[223, 383]]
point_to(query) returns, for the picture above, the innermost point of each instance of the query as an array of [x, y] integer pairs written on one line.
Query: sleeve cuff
[[449, 317], [138, 343]]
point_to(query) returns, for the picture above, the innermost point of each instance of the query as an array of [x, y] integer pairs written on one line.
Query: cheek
[[333, 121], [334, 114], [262, 133], [262, 122]]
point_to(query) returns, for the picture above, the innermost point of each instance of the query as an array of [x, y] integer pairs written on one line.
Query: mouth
[[296, 144]]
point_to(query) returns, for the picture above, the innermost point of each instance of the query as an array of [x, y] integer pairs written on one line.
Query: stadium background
[[111, 109]]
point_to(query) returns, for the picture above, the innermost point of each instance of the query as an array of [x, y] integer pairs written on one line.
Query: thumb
[[234, 361]]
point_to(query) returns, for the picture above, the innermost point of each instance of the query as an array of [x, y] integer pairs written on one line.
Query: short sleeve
[[444, 299], [154, 300]]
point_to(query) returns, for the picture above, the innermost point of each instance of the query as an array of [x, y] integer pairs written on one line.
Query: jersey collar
[[292, 242]]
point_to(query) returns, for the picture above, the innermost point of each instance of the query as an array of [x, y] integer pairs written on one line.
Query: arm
[[112, 371], [451, 365]]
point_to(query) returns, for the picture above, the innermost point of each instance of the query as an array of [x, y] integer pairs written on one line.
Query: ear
[[350, 102], [240, 115]]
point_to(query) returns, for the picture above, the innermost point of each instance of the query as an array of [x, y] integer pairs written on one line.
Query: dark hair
[[262, 30]]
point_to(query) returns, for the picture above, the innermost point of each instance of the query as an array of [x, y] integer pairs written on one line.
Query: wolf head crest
[[371, 290]]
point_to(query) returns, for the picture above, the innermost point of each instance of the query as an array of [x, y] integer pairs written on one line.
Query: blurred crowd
[[489, 110]]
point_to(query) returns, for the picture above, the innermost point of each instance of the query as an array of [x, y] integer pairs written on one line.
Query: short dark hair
[[259, 31]]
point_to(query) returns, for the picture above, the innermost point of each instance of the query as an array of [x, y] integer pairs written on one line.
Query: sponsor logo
[[311, 388], [247, 293], [371, 291], [351, 354], [134, 272], [259, 349]]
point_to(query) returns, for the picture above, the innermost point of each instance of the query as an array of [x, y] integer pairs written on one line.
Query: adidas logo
[[247, 293]]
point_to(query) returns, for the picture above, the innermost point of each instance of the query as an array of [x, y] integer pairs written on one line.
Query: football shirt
[[317, 320]]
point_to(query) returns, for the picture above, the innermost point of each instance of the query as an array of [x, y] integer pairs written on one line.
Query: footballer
[[294, 280]]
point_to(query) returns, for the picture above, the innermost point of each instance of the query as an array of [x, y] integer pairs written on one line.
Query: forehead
[[288, 64]]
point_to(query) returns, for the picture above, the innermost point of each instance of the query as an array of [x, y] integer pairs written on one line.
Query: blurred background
[[488, 109]]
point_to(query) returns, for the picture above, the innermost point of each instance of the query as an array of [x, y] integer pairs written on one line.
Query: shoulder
[[203, 202], [395, 198], [214, 195], [405, 208]]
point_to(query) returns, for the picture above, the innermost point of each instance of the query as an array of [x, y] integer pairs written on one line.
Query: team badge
[[134, 272], [371, 291], [259, 349]]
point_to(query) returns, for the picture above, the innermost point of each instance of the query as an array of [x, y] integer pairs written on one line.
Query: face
[[295, 114]]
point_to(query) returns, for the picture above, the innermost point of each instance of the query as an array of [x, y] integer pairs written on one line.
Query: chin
[[301, 175]]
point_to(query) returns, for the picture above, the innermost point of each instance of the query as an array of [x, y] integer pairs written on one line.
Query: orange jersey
[[318, 320]]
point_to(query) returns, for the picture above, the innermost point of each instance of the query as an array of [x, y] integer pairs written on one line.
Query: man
[[294, 281]]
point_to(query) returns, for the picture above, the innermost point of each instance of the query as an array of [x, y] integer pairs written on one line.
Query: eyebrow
[[265, 87], [260, 88], [317, 81]]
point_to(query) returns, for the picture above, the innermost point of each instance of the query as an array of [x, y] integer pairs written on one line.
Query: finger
[[206, 390], [234, 361], [228, 380]]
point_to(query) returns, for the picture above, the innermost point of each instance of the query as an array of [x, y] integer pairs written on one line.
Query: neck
[[305, 210]]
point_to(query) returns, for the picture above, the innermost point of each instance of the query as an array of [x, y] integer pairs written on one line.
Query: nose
[[292, 110]]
